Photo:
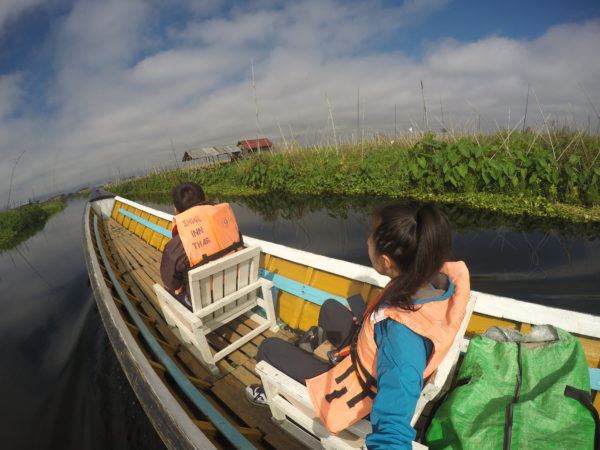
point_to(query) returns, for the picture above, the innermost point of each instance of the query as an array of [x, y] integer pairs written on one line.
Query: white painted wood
[[217, 292], [266, 302], [300, 434], [197, 290], [216, 301], [244, 308], [205, 293], [226, 261], [241, 341], [104, 207], [243, 277], [511, 309], [289, 400], [227, 300], [230, 283], [154, 212]]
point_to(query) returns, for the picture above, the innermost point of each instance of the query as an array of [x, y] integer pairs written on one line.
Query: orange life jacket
[[344, 394], [208, 232]]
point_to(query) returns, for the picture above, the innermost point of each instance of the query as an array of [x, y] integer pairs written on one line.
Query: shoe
[[255, 394], [312, 339]]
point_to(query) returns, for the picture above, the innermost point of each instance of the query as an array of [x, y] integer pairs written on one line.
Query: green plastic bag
[[521, 392]]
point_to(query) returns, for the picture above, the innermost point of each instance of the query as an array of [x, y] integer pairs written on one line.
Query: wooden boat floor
[[139, 265]]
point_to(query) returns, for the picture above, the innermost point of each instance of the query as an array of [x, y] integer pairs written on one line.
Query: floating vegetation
[[19, 224], [553, 176]]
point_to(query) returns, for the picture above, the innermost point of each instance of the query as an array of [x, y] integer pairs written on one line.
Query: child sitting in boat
[[398, 343], [202, 232]]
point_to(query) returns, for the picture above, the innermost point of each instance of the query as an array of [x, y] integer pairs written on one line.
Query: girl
[[405, 332]]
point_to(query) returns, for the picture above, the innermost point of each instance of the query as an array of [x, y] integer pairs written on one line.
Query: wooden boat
[[192, 407]]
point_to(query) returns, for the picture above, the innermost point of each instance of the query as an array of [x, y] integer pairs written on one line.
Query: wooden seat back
[[212, 283]]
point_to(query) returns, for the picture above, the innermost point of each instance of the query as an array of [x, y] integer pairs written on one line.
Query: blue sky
[[105, 84]]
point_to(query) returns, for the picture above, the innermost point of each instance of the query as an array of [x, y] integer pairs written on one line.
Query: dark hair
[[419, 241], [186, 195]]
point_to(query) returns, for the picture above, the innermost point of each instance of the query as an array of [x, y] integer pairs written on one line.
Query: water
[[61, 385]]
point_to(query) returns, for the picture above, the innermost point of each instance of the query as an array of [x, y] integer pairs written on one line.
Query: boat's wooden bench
[[143, 266]]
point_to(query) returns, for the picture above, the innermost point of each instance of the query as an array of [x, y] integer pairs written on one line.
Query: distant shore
[[552, 175], [18, 224]]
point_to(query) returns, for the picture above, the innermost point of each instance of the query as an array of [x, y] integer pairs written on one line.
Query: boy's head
[[187, 195]]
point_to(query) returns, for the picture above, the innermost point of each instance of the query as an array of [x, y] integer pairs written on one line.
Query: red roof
[[255, 144]]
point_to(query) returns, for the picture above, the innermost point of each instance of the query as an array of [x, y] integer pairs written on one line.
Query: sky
[[92, 90]]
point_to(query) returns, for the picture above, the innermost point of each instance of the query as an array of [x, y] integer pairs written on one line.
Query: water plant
[[514, 172]]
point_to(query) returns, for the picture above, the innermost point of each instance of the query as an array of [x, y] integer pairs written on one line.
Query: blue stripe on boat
[[191, 392], [305, 292], [595, 379], [146, 223]]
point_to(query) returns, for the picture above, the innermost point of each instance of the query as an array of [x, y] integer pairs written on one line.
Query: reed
[[544, 172]]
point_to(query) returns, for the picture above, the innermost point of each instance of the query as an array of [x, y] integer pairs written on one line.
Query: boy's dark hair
[[419, 241], [186, 195]]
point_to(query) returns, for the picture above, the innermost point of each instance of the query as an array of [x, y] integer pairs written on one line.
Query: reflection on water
[[61, 385]]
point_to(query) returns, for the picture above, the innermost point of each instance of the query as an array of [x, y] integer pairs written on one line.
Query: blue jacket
[[401, 360]]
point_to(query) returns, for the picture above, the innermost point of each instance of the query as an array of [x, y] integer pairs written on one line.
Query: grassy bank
[[18, 224], [553, 175]]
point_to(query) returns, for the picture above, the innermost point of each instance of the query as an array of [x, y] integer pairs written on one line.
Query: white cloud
[[116, 110]]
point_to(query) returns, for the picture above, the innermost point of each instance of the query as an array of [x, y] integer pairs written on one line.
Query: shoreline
[[482, 173]]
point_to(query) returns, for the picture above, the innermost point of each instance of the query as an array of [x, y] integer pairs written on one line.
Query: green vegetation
[[551, 175], [18, 224]]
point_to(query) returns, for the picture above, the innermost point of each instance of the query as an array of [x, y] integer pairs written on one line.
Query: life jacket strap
[[368, 381], [336, 394], [345, 375], [209, 258], [358, 397], [365, 379]]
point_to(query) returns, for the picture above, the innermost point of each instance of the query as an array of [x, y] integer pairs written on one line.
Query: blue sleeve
[[401, 360]]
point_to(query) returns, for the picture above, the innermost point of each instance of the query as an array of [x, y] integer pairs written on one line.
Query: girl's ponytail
[[419, 241]]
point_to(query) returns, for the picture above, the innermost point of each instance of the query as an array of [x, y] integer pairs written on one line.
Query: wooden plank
[[137, 261], [231, 391], [217, 294], [230, 285], [236, 330], [143, 250], [193, 366], [286, 335], [219, 343], [245, 376], [129, 251]]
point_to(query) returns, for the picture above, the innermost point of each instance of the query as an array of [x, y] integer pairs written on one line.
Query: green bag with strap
[[521, 392]]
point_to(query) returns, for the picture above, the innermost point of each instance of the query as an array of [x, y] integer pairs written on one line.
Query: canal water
[[61, 385]]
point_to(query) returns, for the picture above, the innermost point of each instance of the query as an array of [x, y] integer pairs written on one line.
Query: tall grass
[[522, 170]]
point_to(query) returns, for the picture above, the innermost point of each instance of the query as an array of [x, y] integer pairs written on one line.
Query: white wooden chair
[[220, 291], [291, 406]]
